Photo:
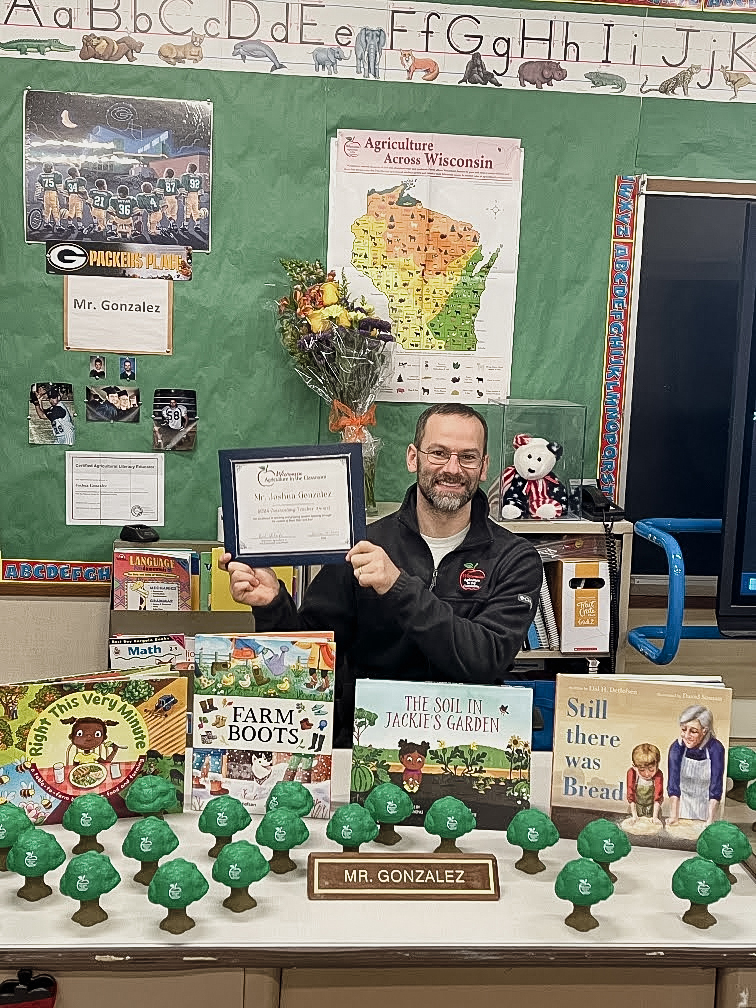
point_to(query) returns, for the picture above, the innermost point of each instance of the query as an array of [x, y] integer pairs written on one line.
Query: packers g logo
[[67, 257]]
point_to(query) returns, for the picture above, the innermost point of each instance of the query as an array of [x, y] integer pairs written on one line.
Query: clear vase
[[370, 447]]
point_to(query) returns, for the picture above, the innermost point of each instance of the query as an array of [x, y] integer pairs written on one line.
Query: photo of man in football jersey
[[121, 211], [174, 420], [168, 188], [49, 187], [75, 188]]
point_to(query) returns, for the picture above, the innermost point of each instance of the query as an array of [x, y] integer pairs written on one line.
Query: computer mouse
[[139, 533]]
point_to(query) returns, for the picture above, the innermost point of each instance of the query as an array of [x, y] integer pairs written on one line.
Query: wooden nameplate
[[376, 876]]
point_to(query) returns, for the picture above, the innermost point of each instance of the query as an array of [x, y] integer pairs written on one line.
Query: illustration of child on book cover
[[61, 739], [439, 739], [648, 755], [263, 713]]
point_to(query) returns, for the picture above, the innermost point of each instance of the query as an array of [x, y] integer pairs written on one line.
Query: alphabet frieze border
[[423, 44]]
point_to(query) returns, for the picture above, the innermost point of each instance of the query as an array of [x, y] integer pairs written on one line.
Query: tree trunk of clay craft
[[387, 834], [90, 912], [448, 845], [220, 843], [177, 922], [146, 872], [581, 919], [34, 889], [530, 863], [86, 844], [698, 915], [281, 862], [239, 900]]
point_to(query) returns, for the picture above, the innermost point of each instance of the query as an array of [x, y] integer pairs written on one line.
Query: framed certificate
[[292, 505]]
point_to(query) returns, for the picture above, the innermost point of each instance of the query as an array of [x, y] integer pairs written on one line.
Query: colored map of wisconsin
[[427, 266]]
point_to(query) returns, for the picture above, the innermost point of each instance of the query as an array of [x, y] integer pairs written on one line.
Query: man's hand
[[373, 567], [252, 586]]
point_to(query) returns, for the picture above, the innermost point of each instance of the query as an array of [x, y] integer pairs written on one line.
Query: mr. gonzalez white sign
[[118, 316]]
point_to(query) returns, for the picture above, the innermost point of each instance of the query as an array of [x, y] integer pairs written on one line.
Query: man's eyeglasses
[[440, 456]]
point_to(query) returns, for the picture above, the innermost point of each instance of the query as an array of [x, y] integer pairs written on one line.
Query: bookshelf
[[191, 623], [131, 623], [622, 531]]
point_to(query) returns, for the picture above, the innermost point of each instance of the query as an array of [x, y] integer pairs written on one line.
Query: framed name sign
[[292, 505]]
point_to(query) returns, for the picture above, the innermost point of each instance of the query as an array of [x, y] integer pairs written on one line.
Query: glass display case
[[542, 457]]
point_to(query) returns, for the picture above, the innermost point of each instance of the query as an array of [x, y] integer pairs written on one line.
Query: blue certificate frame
[[296, 505]]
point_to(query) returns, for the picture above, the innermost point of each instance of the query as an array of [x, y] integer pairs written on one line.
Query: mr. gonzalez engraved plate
[[374, 876]]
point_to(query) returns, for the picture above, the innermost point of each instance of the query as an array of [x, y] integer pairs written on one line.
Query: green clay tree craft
[[702, 882], [603, 842], [238, 865], [87, 877], [388, 804], [13, 822], [725, 844], [89, 815], [222, 817], [750, 797], [584, 883], [151, 795], [290, 795], [533, 831], [148, 840], [741, 768], [33, 855], [174, 886], [350, 826], [281, 830], [450, 819]]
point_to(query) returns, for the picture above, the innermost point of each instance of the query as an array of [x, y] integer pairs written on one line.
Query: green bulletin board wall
[[270, 183]]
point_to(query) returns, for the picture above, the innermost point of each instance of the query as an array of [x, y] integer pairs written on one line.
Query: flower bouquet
[[340, 350]]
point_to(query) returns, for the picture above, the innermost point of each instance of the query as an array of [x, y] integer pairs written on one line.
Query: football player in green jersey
[[121, 210], [149, 200], [99, 200], [76, 189], [168, 187], [192, 184], [49, 184]]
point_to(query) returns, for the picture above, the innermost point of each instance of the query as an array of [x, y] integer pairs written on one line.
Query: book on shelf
[[620, 753], [440, 739], [94, 734], [168, 651], [149, 580], [262, 713]]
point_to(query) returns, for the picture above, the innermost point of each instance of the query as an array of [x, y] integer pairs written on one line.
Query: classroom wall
[[270, 175]]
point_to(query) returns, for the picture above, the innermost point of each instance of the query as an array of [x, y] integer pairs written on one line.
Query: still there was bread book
[[646, 752]]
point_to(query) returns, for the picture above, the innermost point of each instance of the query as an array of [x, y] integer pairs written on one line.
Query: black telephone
[[595, 506]]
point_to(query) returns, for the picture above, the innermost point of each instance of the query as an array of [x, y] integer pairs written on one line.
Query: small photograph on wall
[[96, 166], [174, 419], [113, 404], [97, 367], [128, 369], [51, 413]]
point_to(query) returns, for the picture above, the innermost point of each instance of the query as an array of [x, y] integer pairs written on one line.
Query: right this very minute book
[[646, 752]]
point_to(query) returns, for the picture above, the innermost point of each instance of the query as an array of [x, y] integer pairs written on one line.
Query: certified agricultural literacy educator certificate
[[298, 505]]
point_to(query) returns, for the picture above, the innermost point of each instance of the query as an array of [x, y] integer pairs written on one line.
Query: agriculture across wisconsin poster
[[439, 739]]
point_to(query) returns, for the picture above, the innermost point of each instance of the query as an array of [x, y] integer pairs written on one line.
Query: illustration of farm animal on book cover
[[152, 187], [646, 753], [440, 739], [263, 713]]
